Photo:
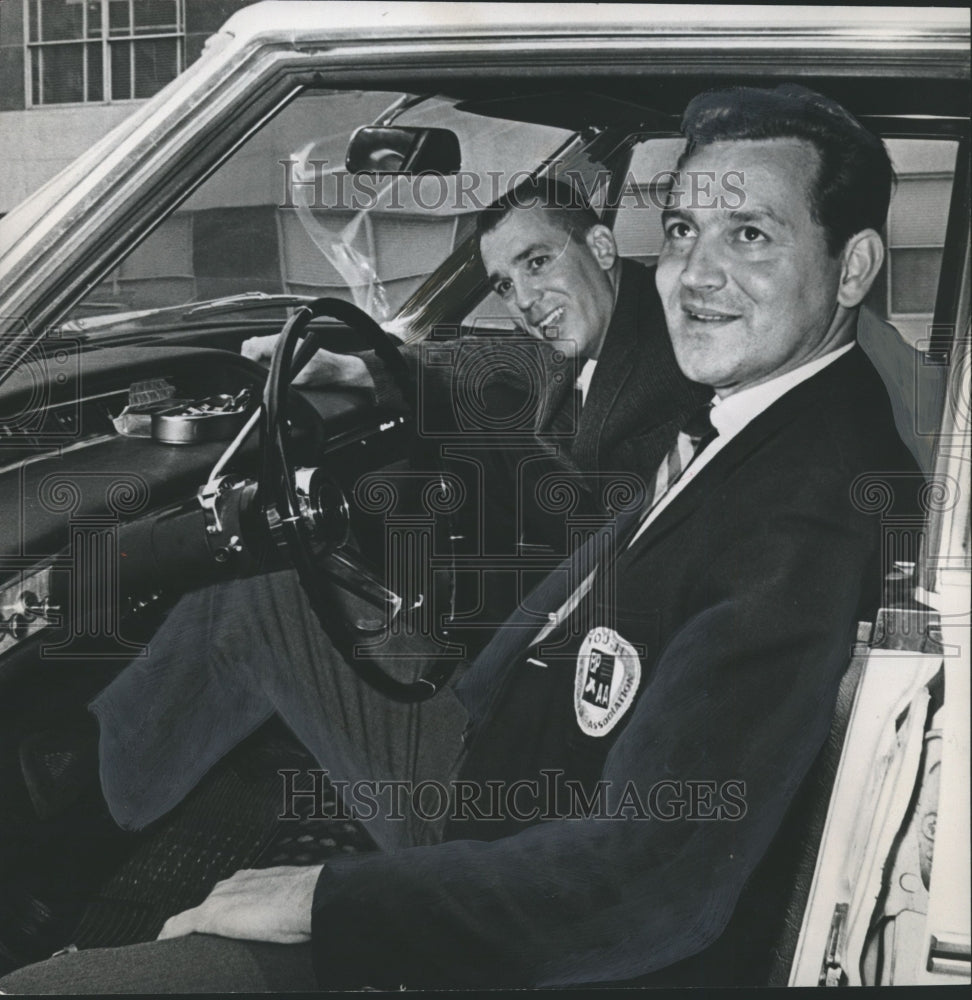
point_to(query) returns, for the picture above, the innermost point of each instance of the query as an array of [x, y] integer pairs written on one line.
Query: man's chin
[[698, 363]]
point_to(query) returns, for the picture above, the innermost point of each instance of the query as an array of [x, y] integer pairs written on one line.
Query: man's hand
[[324, 368], [265, 904]]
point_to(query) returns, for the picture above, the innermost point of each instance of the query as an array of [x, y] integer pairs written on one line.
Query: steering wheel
[[311, 514]]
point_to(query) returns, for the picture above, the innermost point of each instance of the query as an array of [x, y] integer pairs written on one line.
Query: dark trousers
[[226, 659], [198, 963]]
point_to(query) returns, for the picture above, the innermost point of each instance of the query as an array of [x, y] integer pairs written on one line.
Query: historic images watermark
[[549, 796], [42, 405], [319, 184]]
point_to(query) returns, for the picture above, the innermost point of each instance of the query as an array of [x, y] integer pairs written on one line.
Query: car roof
[[867, 58], [333, 19]]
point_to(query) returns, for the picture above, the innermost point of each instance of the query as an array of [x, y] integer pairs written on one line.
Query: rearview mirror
[[401, 149]]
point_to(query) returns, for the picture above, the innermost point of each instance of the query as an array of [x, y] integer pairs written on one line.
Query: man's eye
[[750, 234], [678, 230], [538, 263], [503, 288]]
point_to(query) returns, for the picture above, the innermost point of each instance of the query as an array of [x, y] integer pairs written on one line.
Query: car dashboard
[[79, 481]]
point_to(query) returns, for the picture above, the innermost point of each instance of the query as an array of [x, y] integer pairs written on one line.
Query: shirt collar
[[583, 381], [730, 415]]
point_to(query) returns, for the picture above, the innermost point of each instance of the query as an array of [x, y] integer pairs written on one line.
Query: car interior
[[136, 458]]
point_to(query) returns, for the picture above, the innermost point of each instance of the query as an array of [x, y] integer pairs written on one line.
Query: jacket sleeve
[[386, 390], [743, 691], [436, 387]]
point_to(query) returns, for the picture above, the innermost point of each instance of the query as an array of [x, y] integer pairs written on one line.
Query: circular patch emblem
[[606, 682]]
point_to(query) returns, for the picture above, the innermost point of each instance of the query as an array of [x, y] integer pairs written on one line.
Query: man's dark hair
[[559, 198], [853, 185]]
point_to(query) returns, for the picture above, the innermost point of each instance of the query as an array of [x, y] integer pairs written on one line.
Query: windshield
[[283, 217]]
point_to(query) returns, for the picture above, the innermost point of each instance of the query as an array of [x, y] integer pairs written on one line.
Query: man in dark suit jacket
[[553, 263], [625, 766], [588, 317], [725, 620], [586, 458], [533, 449], [608, 447]]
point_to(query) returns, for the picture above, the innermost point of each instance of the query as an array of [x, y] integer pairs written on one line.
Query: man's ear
[[861, 260], [600, 241]]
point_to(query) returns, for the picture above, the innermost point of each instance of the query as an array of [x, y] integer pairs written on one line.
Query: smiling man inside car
[[690, 667], [601, 333]]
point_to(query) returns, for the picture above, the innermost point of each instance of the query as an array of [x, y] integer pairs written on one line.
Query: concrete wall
[[37, 144]]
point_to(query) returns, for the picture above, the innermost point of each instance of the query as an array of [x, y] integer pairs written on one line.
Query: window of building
[[916, 231], [102, 50]]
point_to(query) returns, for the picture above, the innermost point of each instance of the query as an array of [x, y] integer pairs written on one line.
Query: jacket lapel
[[558, 385], [749, 440], [615, 368], [485, 677], [638, 393]]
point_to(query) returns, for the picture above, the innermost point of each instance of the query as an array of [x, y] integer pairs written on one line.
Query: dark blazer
[[637, 400], [742, 597], [571, 469]]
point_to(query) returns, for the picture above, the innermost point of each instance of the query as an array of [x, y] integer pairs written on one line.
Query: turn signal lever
[[244, 536], [228, 532]]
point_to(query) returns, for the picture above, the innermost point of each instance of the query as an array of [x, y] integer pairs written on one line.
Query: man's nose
[[704, 267], [525, 293]]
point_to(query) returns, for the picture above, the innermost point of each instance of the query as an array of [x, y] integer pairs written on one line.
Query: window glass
[[94, 12], [913, 280], [96, 86], [637, 225], [59, 20], [73, 60], [121, 71], [119, 17], [283, 215], [62, 74], [156, 62], [155, 16]]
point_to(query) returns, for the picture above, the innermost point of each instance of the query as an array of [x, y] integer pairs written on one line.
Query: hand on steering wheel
[[324, 369]]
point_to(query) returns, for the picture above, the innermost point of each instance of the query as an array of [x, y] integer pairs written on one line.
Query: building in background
[[70, 70]]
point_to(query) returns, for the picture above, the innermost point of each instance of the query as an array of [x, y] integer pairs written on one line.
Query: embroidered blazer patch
[[606, 681]]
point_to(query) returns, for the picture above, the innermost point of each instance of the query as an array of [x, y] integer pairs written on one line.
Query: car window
[[283, 215], [637, 223]]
